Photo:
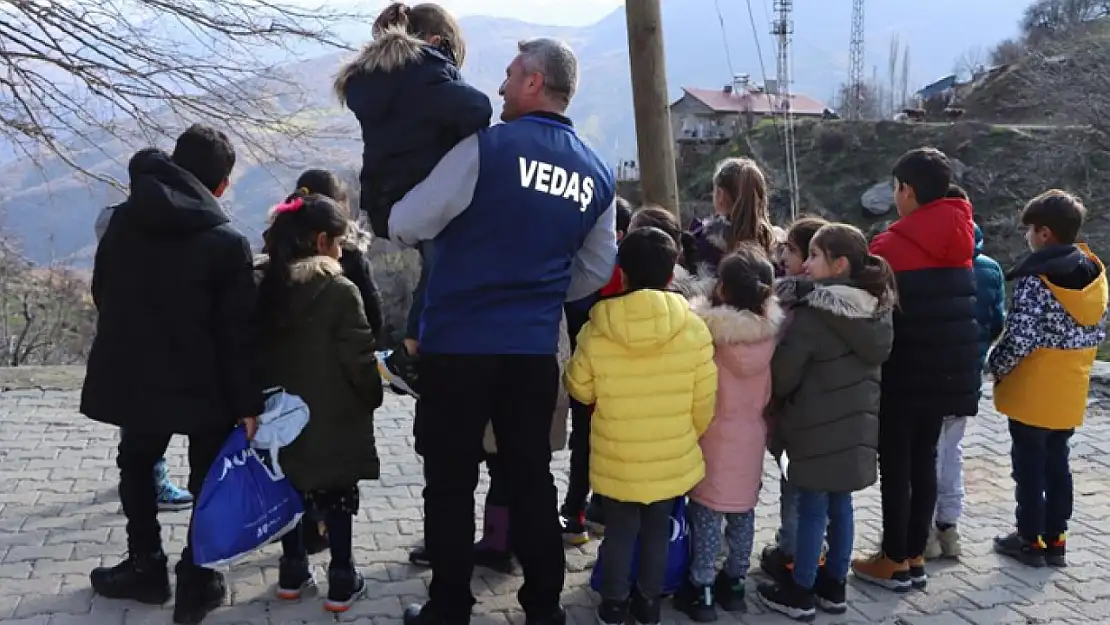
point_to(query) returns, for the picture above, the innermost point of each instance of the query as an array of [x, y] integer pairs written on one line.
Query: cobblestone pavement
[[60, 517]]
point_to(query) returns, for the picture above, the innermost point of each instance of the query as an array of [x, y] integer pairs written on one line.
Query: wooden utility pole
[[658, 178]]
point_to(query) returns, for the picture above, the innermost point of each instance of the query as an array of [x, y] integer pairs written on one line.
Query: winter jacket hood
[[389, 52], [938, 234], [990, 297], [744, 343], [642, 320], [731, 328], [646, 363], [827, 369], [173, 201], [1066, 266]]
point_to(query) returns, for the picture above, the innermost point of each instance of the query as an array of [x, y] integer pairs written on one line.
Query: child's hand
[[250, 424]]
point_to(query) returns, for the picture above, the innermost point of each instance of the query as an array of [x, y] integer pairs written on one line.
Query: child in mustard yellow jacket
[[646, 361], [1042, 370]]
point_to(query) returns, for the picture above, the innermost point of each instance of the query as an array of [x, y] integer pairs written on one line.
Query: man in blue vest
[[523, 219]]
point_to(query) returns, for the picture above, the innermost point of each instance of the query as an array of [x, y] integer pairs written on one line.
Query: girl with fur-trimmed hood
[[744, 317], [317, 344], [411, 102], [827, 370]]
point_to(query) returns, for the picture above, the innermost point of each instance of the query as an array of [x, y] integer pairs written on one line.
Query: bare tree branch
[[76, 76]]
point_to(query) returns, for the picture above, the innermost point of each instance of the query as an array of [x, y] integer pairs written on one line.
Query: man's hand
[[250, 424]]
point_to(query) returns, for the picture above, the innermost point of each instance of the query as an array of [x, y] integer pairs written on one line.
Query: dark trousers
[[1042, 479], [908, 472], [628, 525], [498, 494], [578, 482], [340, 528], [517, 394], [139, 451]]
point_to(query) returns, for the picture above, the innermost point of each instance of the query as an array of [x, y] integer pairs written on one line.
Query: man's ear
[[219, 192]]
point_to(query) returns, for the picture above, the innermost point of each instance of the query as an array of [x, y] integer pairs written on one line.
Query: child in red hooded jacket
[[933, 371]]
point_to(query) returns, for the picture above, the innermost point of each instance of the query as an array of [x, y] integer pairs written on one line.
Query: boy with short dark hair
[[575, 514], [174, 350], [1042, 367], [646, 361], [933, 372]]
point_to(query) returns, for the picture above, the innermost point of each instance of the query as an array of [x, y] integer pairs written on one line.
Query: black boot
[[729, 592], [345, 587], [199, 591], [142, 578], [697, 602]]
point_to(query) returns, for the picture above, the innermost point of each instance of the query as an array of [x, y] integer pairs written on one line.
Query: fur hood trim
[[391, 50], [729, 325], [358, 238], [844, 300], [307, 269]]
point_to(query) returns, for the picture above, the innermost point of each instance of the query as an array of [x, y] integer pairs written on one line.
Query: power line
[[724, 39]]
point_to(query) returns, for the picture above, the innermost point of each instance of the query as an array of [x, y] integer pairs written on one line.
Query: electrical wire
[[724, 39]]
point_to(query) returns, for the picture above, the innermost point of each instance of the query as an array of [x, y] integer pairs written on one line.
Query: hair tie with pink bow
[[295, 203]]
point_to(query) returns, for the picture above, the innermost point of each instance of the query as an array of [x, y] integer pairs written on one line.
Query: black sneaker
[[776, 564], [419, 557], [697, 602], [612, 613], [345, 587], [199, 592], [139, 578], [574, 530], [788, 599], [1012, 545], [729, 592], [423, 614], [401, 370], [294, 576], [918, 578], [830, 594], [500, 561], [1056, 554], [646, 611]]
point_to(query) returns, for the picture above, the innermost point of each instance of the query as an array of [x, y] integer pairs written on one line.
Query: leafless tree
[[970, 62], [1070, 88], [1007, 51], [48, 315], [871, 99], [1050, 19], [75, 75]]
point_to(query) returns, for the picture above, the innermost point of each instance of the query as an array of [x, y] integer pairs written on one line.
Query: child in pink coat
[[743, 316]]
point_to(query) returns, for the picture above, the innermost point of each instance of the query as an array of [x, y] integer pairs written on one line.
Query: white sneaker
[[949, 541], [933, 549]]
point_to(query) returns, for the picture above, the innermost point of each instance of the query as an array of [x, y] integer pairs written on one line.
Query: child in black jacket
[[413, 106]]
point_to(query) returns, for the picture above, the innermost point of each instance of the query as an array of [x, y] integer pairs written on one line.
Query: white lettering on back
[[556, 181]]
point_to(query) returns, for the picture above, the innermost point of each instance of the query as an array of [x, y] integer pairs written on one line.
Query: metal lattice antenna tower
[[783, 29], [855, 63]]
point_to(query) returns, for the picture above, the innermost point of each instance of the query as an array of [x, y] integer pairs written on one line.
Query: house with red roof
[[720, 114]]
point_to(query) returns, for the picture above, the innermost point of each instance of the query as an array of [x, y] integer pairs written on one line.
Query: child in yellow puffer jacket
[[645, 360]]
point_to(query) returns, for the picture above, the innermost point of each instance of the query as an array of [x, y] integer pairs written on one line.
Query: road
[[60, 517]]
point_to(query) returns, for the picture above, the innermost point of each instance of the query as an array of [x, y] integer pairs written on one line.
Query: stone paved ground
[[59, 517]]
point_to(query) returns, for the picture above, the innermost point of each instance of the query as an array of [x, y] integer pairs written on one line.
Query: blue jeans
[[814, 509], [1042, 479], [788, 517], [412, 323]]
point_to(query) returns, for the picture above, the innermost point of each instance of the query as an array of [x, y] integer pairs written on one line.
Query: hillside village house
[[720, 114]]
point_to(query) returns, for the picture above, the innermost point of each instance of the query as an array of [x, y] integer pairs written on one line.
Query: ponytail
[[744, 279], [877, 278], [394, 16]]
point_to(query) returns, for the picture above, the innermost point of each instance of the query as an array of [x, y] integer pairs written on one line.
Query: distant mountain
[[52, 209]]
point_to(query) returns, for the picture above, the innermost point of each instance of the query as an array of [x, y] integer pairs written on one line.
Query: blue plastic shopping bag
[[243, 505], [678, 554]]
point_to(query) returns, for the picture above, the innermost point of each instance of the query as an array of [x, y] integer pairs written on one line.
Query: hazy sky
[[561, 12]]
